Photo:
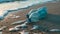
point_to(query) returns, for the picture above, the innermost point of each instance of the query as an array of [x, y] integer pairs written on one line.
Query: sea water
[[5, 7]]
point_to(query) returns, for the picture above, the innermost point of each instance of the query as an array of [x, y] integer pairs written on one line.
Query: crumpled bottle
[[42, 12], [37, 15]]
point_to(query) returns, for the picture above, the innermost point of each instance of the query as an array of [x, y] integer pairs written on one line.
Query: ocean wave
[[5, 8]]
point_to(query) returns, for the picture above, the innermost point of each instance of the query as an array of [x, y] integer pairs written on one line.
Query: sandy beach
[[51, 21]]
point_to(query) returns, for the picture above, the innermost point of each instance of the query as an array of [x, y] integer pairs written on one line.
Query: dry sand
[[51, 21]]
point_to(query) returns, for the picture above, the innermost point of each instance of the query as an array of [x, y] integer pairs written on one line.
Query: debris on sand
[[37, 14]]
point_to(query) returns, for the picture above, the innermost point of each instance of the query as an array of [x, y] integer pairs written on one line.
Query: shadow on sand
[[54, 19]]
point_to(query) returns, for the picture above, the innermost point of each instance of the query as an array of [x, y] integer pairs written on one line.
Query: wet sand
[[51, 21]]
